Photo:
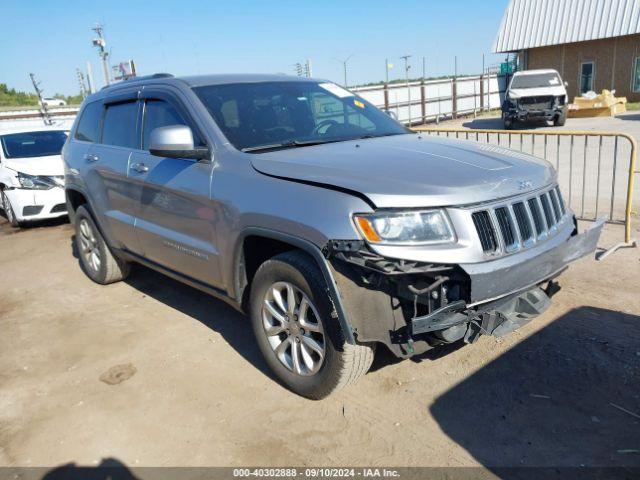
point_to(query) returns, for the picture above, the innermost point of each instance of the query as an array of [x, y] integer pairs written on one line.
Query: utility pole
[[102, 51], [386, 69], [303, 70], [406, 76], [344, 64], [482, 84], [83, 90], [46, 116], [90, 83], [424, 67]]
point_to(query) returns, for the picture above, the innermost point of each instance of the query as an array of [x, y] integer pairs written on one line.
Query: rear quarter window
[[88, 129]]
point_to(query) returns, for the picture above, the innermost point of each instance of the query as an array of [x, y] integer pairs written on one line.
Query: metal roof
[[538, 23]]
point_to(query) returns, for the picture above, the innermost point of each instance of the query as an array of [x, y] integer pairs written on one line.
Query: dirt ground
[[153, 373]]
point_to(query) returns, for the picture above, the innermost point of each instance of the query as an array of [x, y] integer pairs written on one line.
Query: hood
[[49, 166], [411, 170], [556, 91]]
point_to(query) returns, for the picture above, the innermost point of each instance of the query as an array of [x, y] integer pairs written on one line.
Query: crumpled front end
[[545, 107], [411, 306]]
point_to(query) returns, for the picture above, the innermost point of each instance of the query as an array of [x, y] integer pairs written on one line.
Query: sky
[[183, 37]]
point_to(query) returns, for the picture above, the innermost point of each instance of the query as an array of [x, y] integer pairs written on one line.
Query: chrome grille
[[487, 236], [534, 208], [524, 225], [546, 208], [555, 204], [560, 201], [518, 224], [506, 227]]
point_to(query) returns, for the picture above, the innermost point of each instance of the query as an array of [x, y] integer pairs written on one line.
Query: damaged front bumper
[[412, 307], [522, 115], [491, 280]]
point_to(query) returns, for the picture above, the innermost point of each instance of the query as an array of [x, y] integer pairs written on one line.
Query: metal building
[[594, 44]]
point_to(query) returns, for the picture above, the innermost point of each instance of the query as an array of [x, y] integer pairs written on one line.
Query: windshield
[[269, 115], [33, 144], [536, 80]]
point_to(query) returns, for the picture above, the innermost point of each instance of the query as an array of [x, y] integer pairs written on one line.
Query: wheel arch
[[75, 198], [270, 243]]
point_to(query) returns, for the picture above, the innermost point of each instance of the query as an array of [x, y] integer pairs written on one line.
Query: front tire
[[508, 123], [297, 330], [8, 211], [560, 120], [96, 259]]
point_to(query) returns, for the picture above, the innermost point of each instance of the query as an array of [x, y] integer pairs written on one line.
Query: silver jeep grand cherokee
[[332, 225]]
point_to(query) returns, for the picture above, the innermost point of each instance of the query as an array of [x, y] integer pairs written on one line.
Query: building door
[[586, 77]]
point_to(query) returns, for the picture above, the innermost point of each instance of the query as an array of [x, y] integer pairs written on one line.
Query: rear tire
[[8, 211], [308, 324], [96, 259]]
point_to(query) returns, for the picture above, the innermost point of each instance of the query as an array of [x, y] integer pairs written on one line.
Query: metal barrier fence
[[419, 102], [591, 166]]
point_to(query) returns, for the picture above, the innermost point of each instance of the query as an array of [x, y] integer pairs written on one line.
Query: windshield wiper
[[308, 143], [369, 135], [292, 144]]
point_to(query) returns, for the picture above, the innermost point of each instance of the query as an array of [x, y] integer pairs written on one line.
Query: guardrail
[[596, 161], [35, 112]]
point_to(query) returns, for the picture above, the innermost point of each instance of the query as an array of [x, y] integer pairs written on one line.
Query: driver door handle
[[90, 157], [139, 167]]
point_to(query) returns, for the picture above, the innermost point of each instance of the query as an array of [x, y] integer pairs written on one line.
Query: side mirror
[[392, 114], [566, 84], [175, 141]]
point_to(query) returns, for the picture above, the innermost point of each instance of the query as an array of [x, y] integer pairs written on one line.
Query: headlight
[[36, 182], [405, 228]]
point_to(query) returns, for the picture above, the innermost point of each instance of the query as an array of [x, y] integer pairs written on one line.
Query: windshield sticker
[[358, 103], [336, 90]]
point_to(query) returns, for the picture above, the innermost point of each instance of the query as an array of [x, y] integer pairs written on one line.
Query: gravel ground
[[149, 372]]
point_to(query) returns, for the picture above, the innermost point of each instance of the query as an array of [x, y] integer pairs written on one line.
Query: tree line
[[10, 97]]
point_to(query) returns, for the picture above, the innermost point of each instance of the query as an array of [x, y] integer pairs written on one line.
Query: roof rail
[[139, 79]]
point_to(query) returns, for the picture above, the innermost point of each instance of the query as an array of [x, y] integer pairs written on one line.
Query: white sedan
[[32, 173]]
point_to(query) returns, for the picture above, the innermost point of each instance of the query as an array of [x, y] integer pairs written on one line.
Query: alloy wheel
[[293, 328], [89, 246]]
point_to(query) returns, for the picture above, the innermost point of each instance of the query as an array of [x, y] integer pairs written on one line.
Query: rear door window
[[120, 125], [88, 129]]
